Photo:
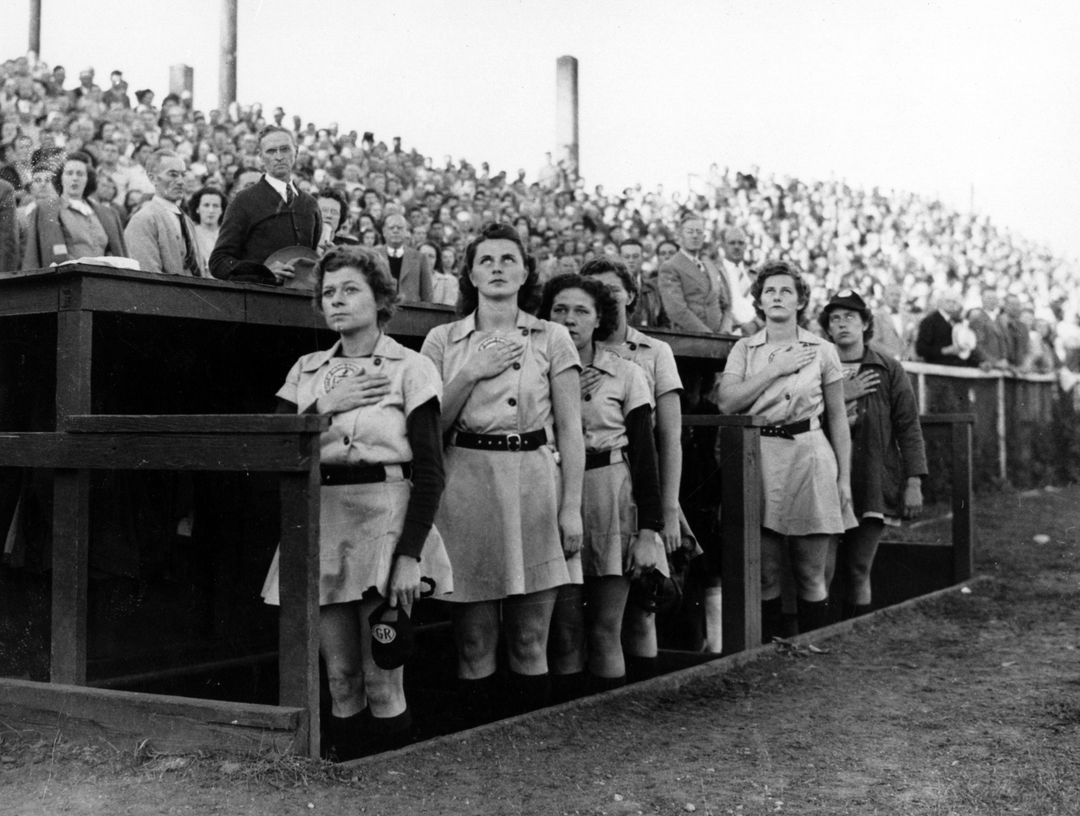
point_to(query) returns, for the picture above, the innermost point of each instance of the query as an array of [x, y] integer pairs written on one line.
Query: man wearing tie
[[160, 236], [270, 215], [694, 294], [408, 266], [733, 243]]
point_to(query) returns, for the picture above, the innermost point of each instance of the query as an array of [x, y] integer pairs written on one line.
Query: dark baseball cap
[[847, 299], [392, 638]]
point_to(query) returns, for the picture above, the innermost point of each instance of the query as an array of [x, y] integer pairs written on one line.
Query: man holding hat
[[888, 458]]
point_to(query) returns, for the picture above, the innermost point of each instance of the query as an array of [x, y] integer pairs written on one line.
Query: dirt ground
[[966, 704]]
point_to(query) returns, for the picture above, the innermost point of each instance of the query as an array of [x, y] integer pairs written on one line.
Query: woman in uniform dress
[[382, 476], [658, 363], [620, 509], [792, 378], [888, 458], [511, 514]]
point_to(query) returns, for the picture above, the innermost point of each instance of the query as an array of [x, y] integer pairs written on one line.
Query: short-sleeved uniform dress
[[499, 511], [360, 524], [800, 495], [609, 514]]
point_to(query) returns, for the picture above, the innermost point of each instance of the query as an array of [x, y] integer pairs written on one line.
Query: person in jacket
[[888, 459]]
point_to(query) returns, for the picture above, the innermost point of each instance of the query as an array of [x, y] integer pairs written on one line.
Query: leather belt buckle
[[513, 442]]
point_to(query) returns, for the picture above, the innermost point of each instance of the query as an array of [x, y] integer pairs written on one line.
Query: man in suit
[[733, 244], [891, 324], [1015, 333], [694, 293], [989, 332], [935, 342], [270, 215], [10, 256], [407, 266], [160, 236]]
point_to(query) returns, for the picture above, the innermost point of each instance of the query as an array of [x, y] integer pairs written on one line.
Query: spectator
[[266, 217], [18, 169], [444, 285], [937, 342], [116, 96], [1014, 332], [989, 329], [733, 245], [9, 232], [694, 295], [892, 325], [206, 208], [71, 227], [1041, 358], [408, 267], [160, 236]]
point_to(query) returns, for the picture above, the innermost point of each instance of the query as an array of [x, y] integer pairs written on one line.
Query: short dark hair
[[438, 254], [771, 269], [91, 173], [371, 265], [200, 194], [334, 195], [632, 242], [607, 308], [468, 298], [599, 266]]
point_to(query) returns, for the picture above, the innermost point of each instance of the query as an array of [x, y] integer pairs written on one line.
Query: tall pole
[[35, 26], [227, 76], [566, 114]]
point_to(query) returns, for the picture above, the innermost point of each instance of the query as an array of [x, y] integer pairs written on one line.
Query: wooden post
[[227, 69], [298, 561], [740, 531], [963, 549], [71, 500]]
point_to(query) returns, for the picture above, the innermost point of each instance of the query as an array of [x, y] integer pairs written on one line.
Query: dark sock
[[344, 736], [853, 610], [387, 733], [567, 686], [598, 685], [640, 668], [812, 615], [527, 692], [772, 619], [476, 700]]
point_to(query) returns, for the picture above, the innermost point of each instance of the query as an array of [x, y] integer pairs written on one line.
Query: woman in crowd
[[510, 516], [888, 459], [792, 379], [207, 207], [72, 226], [444, 284], [382, 476], [620, 508], [658, 363]]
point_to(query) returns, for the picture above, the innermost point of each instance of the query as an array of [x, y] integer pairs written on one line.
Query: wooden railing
[[287, 445]]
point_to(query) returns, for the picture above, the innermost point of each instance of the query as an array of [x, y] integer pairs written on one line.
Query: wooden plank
[[946, 419], [694, 344], [963, 513], [740, 536], [71, 502], [164, 296], [172, 724], [298, 638], [234, 424], [221, 452]]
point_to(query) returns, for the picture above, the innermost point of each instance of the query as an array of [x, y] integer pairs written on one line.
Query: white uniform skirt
[[499, 519], [359, 528], [799, 492]]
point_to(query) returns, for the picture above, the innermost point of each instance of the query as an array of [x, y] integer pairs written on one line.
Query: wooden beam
[[740, 536], [126, 719], [962, 494], [298, 634], [233, 424]]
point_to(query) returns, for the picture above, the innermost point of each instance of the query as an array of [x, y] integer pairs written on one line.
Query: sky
[[971, 102]]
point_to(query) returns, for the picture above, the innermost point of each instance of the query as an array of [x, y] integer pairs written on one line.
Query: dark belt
[[360, 474], [497, 442], [787, 431], [599, 459]]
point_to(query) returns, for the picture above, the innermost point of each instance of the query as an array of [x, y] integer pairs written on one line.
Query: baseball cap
[[652, 591], [392, 638], [847, 299]]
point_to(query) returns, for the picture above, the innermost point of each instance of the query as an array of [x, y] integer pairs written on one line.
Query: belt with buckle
[[333, 475], [499, 442], [599, 459], [792, 430]]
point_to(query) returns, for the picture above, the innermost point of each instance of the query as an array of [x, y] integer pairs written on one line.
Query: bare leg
[[527, 621], [476, 634], [566, 644], [604, 612], [339, 642], [860, 547]]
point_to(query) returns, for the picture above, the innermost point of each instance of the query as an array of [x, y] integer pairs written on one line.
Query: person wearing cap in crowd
[[160, 235], [512, 397], [793, 379], [266, 217], [382, 477], [621, 509], [888, 457]]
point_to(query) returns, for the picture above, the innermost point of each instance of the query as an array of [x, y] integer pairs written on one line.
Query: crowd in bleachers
[[841, 235]]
